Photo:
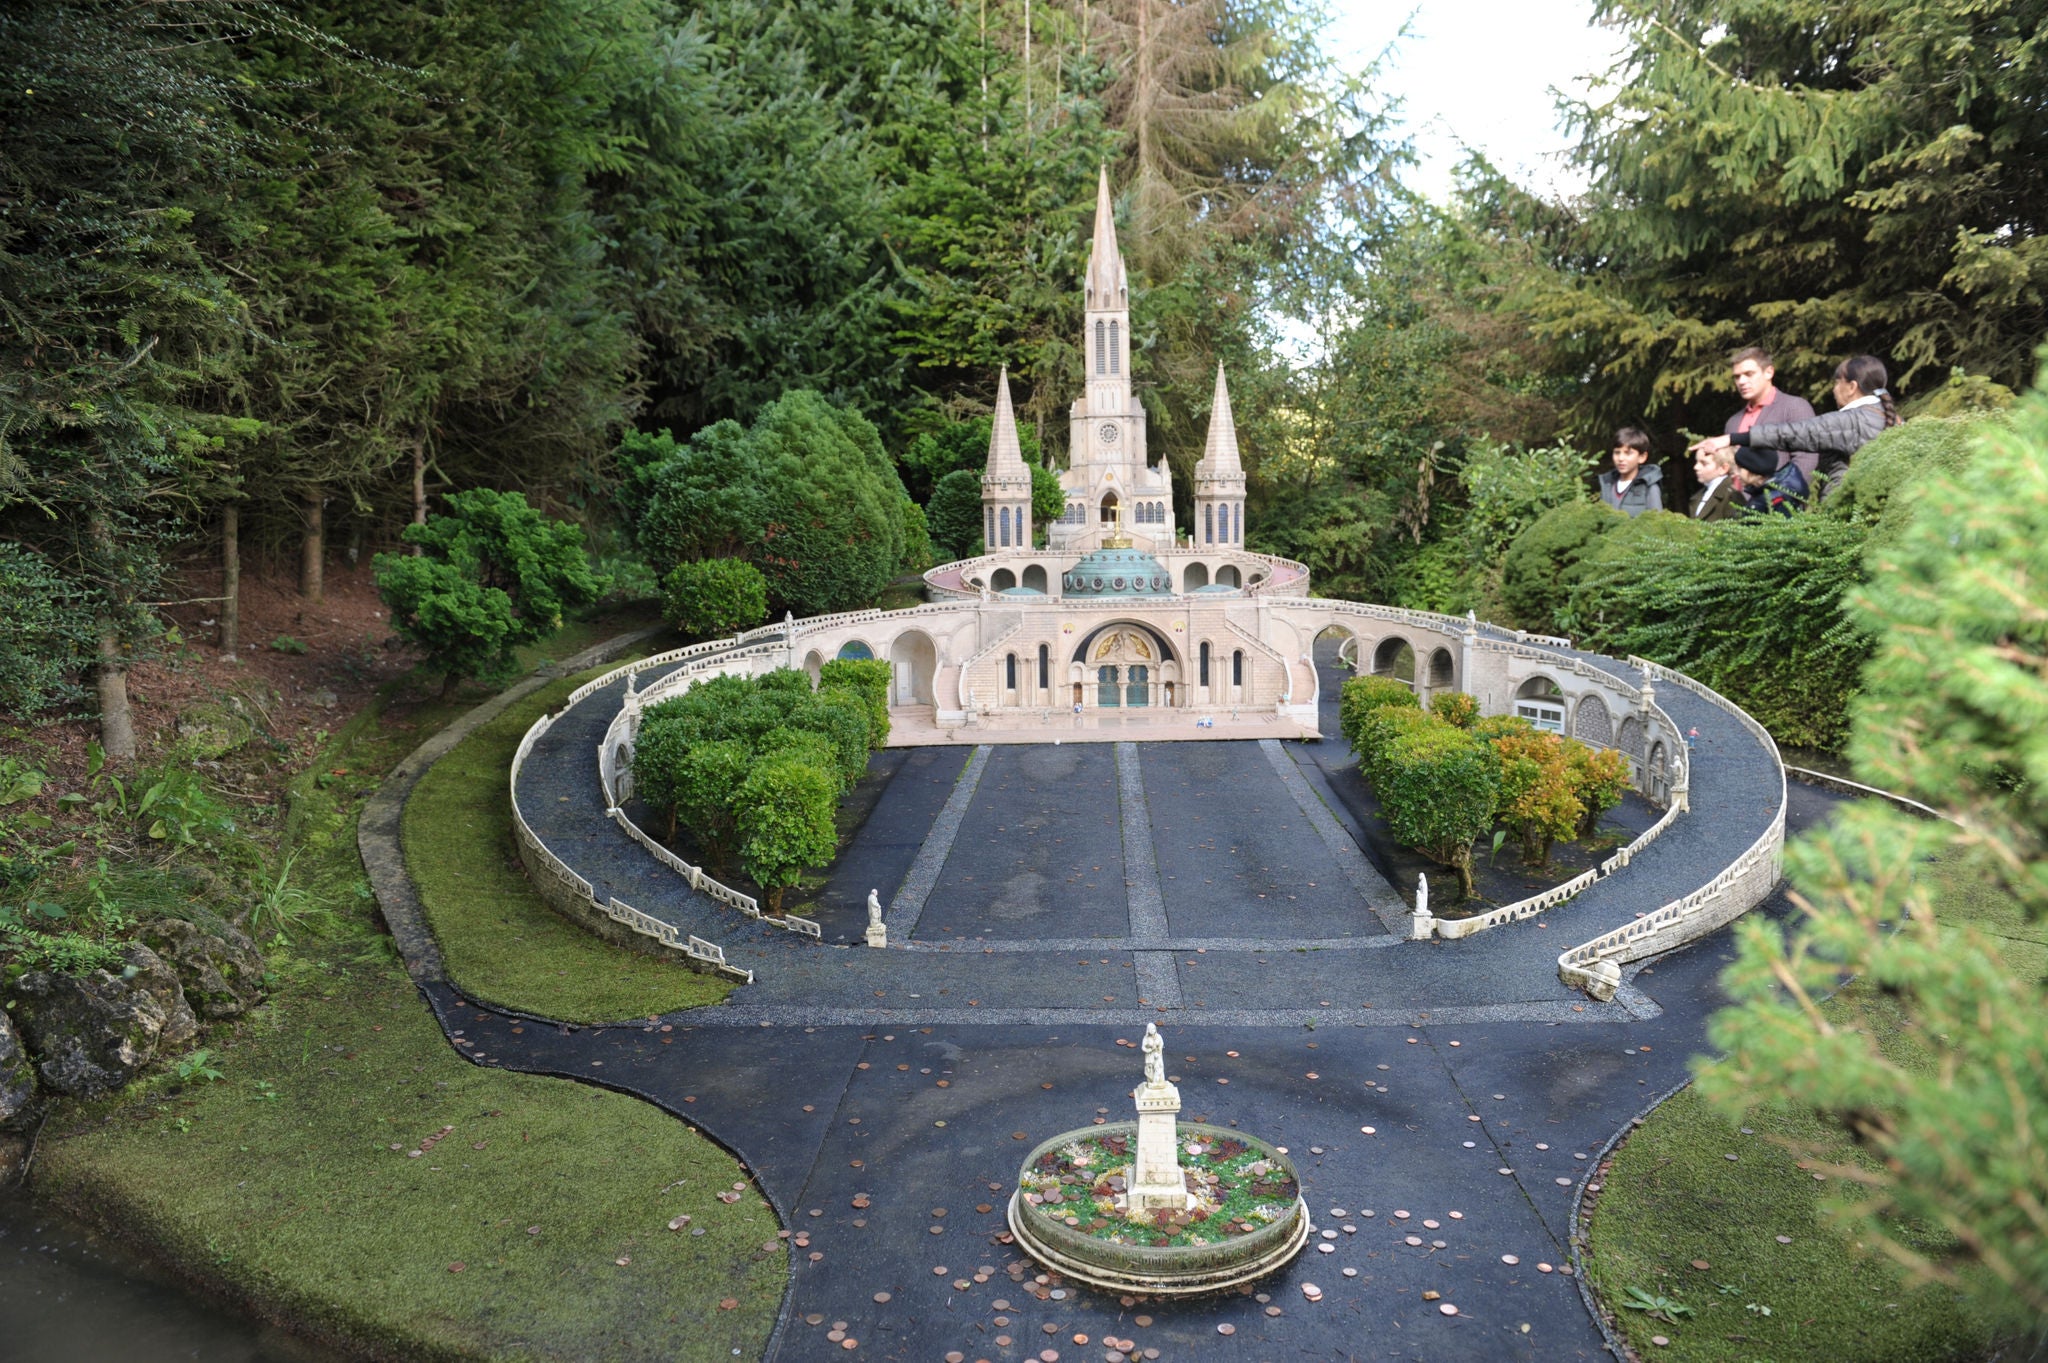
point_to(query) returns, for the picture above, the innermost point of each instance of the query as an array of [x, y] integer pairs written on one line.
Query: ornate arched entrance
[[914, 659], [1126, 664]]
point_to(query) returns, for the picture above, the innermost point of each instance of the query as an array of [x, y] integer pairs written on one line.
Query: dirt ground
[[295, 698]]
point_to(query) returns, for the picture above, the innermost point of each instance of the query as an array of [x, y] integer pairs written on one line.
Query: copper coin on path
[[849, 1343], [984, 1208], [1272, 1310], [1141, 1321], [1226, 1328], [955, 1356], [881, 1297], [1448, 1309], [814, 1319]]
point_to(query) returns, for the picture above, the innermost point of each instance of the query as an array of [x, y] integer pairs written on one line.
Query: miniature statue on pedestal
[[878, 931], [1157, 1181]]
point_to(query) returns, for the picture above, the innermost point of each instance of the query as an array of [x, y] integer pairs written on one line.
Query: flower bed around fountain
[[1247, 1217]]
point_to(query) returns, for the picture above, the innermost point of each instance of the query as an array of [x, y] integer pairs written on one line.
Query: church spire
[[1107, 284], [1005, 455], [1219, 453], [1219, 477], [1006, 486]]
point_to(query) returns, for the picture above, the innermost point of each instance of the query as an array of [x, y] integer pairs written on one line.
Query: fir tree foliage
[[1953, 715], [1823, 178]]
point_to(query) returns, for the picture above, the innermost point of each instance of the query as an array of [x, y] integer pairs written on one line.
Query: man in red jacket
[[1764, 405]]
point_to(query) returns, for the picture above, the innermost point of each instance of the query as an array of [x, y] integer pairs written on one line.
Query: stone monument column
[[1157, 1183]]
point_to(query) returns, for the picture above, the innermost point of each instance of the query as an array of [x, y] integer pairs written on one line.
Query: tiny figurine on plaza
[[878, 931], [1156, 1206]]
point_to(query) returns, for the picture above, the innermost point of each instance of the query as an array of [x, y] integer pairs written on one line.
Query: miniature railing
[[1558, 894], [540, 860], [620, 732], [1595, 966]]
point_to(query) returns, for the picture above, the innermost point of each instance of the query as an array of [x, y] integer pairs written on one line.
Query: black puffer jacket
[[1837, 435]]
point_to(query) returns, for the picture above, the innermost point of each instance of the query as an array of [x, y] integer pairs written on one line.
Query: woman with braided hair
[[1863, 410]]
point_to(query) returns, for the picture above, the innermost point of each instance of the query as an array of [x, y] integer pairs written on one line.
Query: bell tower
[[1219, 478], [1108, 426], [1006, 485]]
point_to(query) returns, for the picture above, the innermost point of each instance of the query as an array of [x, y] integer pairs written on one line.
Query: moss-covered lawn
[[500, 941], [536, 1228], [277, 1184], [1673, 1197]]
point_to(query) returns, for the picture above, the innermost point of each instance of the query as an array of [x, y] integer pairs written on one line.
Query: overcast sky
[[1479, 73]]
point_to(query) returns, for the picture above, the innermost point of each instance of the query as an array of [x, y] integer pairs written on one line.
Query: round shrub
[[785, 823], [1455, 707], [1542, 565], [714, 597]]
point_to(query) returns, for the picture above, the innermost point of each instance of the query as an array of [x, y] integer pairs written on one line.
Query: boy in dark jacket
[[1767, 488], [1629, 487]]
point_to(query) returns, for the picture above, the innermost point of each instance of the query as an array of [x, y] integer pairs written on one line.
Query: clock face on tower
[[1108, 432]]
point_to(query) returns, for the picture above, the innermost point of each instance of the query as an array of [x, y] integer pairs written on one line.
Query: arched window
[[1209, 524], [1009, 672], [1237, 529], [1044, 668], [1202, 665], [1101, 351], [1003, 520], [1237, 667], [988, 536], [1115, 358]]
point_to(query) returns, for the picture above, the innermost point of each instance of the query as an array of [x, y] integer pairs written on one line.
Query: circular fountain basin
[[1159, 1270]]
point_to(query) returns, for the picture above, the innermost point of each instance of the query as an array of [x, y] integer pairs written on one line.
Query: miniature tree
[[1437, 789], [869, 678], [1538, 798], [1951, 714], [785, 823], [714, 597], [491, 575], [1360, 696], [1599, 779], [1455, 707]]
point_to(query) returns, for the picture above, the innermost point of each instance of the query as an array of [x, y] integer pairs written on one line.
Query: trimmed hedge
[[1360, 696], [705, 757]]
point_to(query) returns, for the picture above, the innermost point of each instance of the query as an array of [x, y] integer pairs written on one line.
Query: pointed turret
[[1219, 454], [1006, 485], [1219, 477], [1107, 284], [1005, 455]]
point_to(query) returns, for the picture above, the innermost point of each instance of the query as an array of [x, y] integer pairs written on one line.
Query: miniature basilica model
[[1123, 608]]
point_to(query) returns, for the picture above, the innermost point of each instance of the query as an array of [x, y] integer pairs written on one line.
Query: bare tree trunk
[[117, 720], [230, 578], [312, 561], [419, 487]]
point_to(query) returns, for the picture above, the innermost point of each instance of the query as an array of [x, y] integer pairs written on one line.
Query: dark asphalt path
[[922, 1120], [915, 1079]]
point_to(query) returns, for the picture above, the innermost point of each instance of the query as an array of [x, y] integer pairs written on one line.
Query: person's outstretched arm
[[1843, 432]]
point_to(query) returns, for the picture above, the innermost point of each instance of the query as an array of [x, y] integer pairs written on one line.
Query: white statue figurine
[[1155, 1057], [878, 931], [1421, 926]]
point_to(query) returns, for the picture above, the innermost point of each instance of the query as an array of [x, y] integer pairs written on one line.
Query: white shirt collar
[[1866, 400]]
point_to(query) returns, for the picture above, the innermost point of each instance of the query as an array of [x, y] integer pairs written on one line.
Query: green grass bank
[[1678, 1219], [534, 1227], [501, 942]]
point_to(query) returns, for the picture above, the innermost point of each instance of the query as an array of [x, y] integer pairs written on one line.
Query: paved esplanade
[[1044, 902]]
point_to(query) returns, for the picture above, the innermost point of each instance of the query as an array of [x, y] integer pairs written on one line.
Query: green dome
[[1117, 572]]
